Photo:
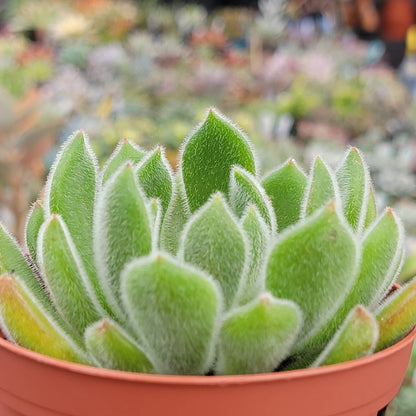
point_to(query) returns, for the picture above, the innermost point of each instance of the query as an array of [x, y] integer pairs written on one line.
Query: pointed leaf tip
[[113, 348], [208, 156], [117, 242], [356, 338], [321, 187], [285, 187], [245, 190]]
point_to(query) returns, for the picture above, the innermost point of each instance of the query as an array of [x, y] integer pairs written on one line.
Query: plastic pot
[[396, 18], [32, 384]]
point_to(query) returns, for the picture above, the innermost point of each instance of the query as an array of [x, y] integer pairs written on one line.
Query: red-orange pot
[[396, 18], [32, 384]]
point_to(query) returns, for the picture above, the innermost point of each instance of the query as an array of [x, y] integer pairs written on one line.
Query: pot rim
[[165, 379]]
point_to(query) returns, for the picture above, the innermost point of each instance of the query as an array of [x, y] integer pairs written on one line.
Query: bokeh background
[[301, 77]]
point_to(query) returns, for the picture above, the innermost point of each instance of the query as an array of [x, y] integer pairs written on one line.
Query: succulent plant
[[208, 269]]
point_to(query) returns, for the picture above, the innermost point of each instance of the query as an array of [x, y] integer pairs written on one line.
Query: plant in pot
[[208, 270]]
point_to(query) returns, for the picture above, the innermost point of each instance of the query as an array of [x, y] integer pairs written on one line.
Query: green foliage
[[397, 315], [112, 348], [117, 242], [35, 219], [245, 190], [314, 264], [155, 177], [208, 269], [124, 152], [256, 337], [64, 275], [175, 309], [208, 156], [258, 239], [208, 232], [352, 177], [356, 338], [70, 192], [175, 218], [285, 187], [321, 187], [19, 311]]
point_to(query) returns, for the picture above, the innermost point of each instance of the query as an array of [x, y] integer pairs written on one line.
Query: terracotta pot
[[396, 17], [32, 384]]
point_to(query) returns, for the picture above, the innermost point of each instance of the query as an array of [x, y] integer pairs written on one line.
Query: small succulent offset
[[206, 270]]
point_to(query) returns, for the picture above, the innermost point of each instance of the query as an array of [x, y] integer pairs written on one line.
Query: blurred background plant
[[299, 76]]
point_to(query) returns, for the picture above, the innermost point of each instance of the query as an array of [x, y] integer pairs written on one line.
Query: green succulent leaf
[[314, 264], [397, 315], [245, 190], [257, 337], [114, 349], [258, 236], [130, 236], [175, 218], [175, 310], [371, 214], [208, 156], [12, 260], [155, 208], [356, 338], [353, 182], [320, 189], [124, 152], [381, 256], [286, 188], [70, 192], [65, 276], [35, 219], [214, 241], [155, 177], [27, 323], [382, 249]]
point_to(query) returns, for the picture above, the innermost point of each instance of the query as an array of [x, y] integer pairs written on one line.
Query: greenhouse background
[[299, 77]]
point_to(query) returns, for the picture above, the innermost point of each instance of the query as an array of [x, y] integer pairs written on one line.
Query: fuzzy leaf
[[114, 349], [397, 316], [124, 152], [214, 241], [356, 338], [65, 277], [13, 261], [70, 192], [245, 190], [381, 254], [371, 214], [175, 218], [321, 187], [353, 182], [155, 208], [257, 337], [27, 323], [381, 251], [208, 156], [122, 230], [258, 236], [314, 264], [286, 187], [155, 177], [175, 310], [35, 219]]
